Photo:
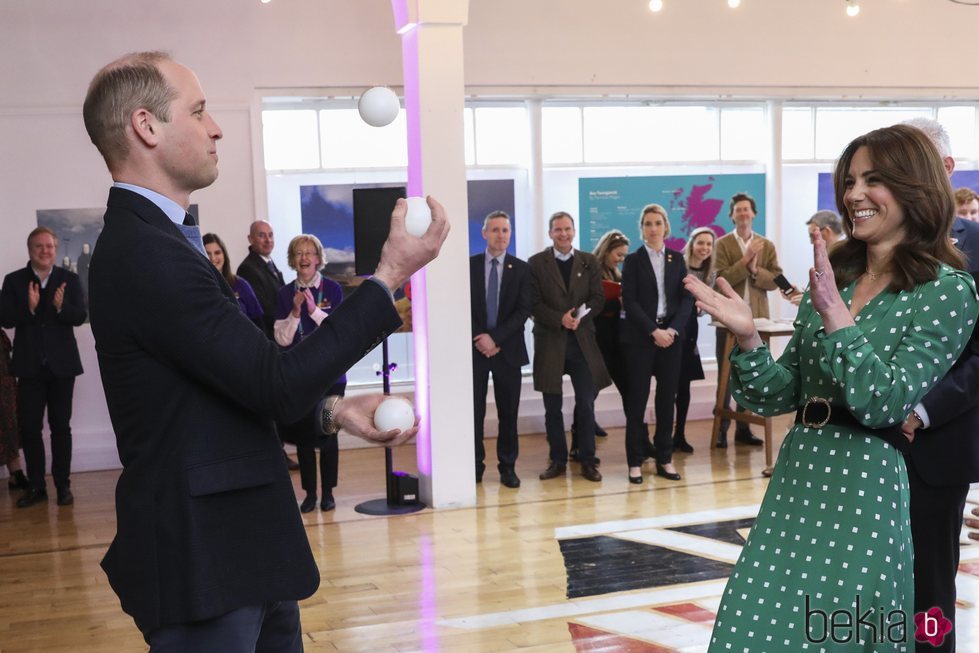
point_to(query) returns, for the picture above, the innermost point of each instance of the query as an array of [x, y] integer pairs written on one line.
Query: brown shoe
[[553, 471], [591, 473]]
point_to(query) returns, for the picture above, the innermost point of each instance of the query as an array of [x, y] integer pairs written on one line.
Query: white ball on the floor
[[394, 413]]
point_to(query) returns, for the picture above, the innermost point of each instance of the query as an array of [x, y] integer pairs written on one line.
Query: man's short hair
[[964, 195], [130, 83], [37, 231], [935, 133], [495, 214], [558, 216], [741, 197], [827, 219]]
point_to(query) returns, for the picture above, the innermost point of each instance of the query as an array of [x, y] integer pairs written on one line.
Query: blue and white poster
[[691, 201]]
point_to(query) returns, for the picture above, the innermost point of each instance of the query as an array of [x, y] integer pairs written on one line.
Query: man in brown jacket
[[748, 262], [564, 342]]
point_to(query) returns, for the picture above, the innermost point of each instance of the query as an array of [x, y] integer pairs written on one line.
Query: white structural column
[[431, 33]]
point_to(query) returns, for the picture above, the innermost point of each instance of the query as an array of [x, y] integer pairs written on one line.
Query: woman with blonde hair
[[657, 312], [698, 254]]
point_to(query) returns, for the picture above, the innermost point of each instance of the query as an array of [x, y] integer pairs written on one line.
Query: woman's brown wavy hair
[[910, 166]]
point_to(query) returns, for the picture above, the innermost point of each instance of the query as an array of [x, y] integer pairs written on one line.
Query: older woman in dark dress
[[301, 307]]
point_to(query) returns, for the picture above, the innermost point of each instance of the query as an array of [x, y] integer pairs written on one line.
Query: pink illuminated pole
[[434, 91]]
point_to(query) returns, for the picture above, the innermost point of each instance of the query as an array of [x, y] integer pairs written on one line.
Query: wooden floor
[[489, 578]]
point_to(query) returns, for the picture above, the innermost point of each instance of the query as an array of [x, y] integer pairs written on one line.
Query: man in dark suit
[[210, 552], [564, 279], [944, 455], [657, 310], [500, 305], [259, 270], [44, 304]]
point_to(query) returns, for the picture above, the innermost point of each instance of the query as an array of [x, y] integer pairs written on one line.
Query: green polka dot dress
[[828, 563]]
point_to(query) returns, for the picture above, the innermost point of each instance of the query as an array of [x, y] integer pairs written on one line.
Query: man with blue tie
[[210, 552], [500, 304]]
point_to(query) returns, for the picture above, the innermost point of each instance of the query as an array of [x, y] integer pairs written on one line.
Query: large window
[[310, 142], [820, 132]]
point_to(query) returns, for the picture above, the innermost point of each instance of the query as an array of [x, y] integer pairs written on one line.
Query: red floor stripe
[[592, 640], [688, 611], [970, 568]]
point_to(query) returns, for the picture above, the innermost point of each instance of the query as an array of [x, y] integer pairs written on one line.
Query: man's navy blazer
[[947, 453], [515, 306], [640, 296], [206, 515], [265, 283], [46, 338]]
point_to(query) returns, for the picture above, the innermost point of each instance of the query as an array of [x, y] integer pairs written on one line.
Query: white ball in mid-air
[[378, 106], [419, 216], [394, 413]]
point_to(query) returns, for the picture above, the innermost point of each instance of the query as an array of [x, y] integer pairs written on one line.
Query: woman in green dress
[[828, 563]]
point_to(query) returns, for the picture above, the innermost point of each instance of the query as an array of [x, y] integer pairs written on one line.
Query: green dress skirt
[[828, 563]]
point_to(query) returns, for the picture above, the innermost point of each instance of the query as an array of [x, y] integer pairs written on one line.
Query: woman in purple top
[[247, 301], [302, 306]]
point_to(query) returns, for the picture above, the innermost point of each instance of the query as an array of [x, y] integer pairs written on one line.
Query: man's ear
[[145, 126], [949, 163]]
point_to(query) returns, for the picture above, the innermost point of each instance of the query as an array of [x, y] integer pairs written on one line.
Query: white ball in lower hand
[[419, 216], [394, 413]]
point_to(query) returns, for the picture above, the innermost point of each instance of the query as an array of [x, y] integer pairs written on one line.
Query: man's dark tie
[[492, 295], [274, 270], [189, 220]]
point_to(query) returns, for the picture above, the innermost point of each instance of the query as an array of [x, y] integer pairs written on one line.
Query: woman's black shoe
[[308, 503], [661, 471], [600, 432], [636, 480], [682, 445], [18, 481]]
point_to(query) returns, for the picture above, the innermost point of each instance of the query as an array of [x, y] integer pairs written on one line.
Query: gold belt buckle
[[805, 409]]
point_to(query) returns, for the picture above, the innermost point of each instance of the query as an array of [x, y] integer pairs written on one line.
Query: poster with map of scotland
[[692, 201]]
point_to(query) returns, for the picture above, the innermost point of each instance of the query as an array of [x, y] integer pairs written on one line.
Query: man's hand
[[355, 415], [404, 254], [663, 338], [569, 321], [794, 296], [485, 345], [33, 296], [911, 426], [973, 524], [59, 297]]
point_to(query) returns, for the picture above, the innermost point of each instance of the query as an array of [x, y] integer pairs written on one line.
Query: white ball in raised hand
[[378, 106], [394, 413], [419, 216]]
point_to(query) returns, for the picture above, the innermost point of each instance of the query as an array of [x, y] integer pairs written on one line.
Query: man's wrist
[[328, 415], [385, 284]]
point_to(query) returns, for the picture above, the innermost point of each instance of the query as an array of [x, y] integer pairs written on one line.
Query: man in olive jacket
[[746, 260], [564, 342]]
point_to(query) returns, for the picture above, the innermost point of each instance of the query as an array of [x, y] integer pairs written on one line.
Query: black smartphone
[[783, 284]]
